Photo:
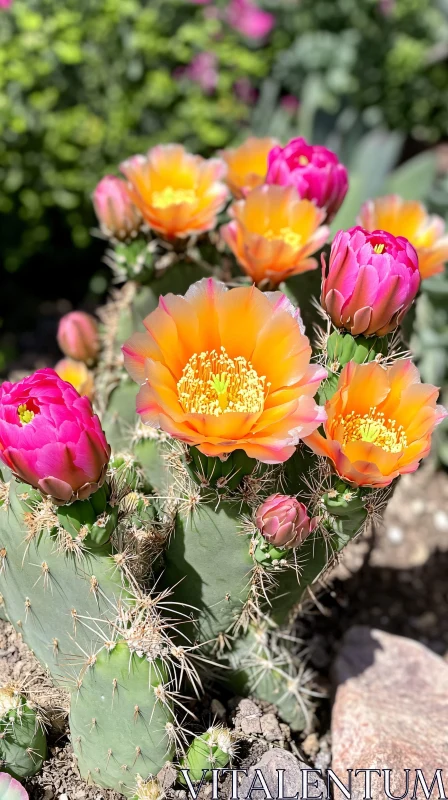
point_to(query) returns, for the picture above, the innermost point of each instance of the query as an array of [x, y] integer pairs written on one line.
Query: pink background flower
[[245, 16]]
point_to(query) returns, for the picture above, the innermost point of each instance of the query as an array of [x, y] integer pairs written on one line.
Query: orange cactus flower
[[410, 219], [76, 373], [177, 193], [379, 422], [274, 233], [227, 369], [247, 164]]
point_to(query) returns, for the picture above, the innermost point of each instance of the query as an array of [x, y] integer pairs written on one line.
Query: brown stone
[[390, 711], [267, 770]]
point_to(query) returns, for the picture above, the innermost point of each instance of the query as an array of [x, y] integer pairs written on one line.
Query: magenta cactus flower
[[118, 216], [50, 438], [283, 521], [10, 789], [245, 16], [315, 171], [4, 4], [371, 281], [78, 336]]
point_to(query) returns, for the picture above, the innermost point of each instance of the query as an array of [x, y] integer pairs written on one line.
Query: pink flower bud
[[316, 173], [50, 437], [118, 216], [371, 282], [283, 521], [78, 336]]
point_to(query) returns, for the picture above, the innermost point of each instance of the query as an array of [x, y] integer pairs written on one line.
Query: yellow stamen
[[171, 197], [286, 235], [375, 429], [25, 414], [214, 383], [303, 161], [379, 248]]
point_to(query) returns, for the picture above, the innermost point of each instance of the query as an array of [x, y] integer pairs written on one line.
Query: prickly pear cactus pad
[[60, 594], [127, 687], [23, 745], [172, 531]]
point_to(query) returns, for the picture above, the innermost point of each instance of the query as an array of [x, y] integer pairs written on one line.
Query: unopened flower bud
[[78, 336], [118, 216], [283, 521], [371, 281]]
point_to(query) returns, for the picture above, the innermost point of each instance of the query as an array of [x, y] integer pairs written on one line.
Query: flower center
[[214, 383], [375, 429], [171, 197], [379, 248], [303, 160], [26, 411], [284, 234]]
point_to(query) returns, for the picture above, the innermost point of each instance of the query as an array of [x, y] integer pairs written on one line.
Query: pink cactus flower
[[371, 282], [5, 4], [50, 438], [283, 521], [315, 171], [202, 70], [245, 16], [117, 214], [78, 336]]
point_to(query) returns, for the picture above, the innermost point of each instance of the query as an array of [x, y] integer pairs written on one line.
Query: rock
[[269, 765], [248, 718], [390, 711], [217, 709], [167, 776], [270, 728], [310, 745]]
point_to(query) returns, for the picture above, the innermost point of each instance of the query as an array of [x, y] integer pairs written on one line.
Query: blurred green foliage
[[85, 83], [386, 58]]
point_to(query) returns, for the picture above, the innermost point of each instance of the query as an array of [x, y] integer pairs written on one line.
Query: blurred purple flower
[[202, 70], [4, 4], [245, 91], [245, 16], [387, 7], [289, 103]]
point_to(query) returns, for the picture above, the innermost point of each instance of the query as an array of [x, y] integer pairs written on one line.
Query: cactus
[[184, 557], [147, 790], [132, 688], [23, 745], [59, 592], [10, 789], [212, 750]]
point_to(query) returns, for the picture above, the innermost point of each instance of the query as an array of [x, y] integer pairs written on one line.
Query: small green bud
[[212, 750]]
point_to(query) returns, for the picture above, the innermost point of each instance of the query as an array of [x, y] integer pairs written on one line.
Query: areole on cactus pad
[[239, 455]]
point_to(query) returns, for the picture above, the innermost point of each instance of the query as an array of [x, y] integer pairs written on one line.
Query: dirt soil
[[394, 578]]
